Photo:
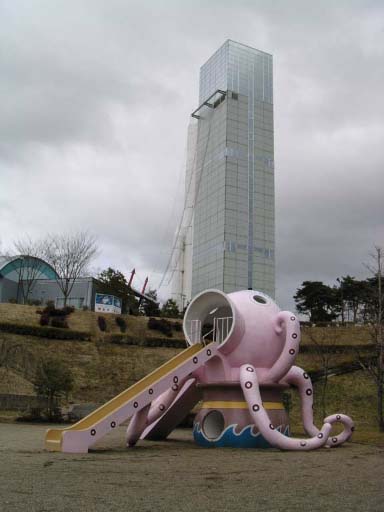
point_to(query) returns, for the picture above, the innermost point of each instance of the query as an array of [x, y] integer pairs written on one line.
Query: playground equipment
[[239, 361]]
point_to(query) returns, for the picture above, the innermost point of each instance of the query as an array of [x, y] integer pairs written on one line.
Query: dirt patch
[[177, 475]]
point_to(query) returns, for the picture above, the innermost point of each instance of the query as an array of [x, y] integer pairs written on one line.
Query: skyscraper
[[227, 234]]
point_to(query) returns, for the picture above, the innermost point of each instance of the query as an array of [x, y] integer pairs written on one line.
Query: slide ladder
[[79, 437]]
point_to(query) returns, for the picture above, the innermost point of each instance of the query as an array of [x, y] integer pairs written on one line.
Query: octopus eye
[[259, 299]]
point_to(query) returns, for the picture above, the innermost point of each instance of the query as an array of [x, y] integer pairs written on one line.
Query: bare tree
[[29, 265], [325, 353], [376, 369], [70, 256]]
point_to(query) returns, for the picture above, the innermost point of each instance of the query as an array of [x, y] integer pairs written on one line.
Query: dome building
[[26, 279]]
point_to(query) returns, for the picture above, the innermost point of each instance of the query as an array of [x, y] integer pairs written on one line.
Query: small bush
[[67, 310], [12, 301], [44, 319], [50, 310], [50, 305], [102, 323], [55, 312], [121, 323], [153, 323], [178, 326], [34, 302], [53, 380], [60, 322], [161, 325]]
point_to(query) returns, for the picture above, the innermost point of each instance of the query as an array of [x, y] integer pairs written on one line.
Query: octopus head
[[245, 323]]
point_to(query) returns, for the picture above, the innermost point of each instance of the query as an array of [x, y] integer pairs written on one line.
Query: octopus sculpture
[[242, 385]]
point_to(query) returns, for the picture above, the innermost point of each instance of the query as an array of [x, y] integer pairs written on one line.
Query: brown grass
[[313, 362], [353, 394], [351, 335], [100, 369], [85, 321], [13, 383], [19, 314]]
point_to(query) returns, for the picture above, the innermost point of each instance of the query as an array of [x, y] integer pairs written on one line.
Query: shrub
[[44, 319], [67, 310], [161, 325], [55, 312], [50, 310], [53, 380], [12, 301], [34, 302], [121, 323], [153, 323], [44, 332], [50, 305], [178, 326], [60, 322], [102, 323]]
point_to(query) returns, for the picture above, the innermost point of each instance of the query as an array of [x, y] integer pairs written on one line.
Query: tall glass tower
[[230, 180]]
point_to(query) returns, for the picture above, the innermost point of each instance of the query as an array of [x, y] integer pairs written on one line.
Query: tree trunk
[[324, 392], [380, 409]]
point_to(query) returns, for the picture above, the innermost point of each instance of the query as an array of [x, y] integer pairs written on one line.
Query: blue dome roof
[[12, 266]]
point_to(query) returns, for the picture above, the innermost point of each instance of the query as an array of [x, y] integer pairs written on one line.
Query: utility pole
[[378, 370], [380, 366]]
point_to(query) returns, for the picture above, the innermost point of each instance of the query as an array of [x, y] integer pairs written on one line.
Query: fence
[[21, 402]]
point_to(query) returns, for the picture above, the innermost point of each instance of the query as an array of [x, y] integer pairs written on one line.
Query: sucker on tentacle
[[300, 379], [250, 387]]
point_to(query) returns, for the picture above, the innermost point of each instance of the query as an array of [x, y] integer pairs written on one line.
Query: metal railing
[[195, 332], [219, 332], [221, 328]]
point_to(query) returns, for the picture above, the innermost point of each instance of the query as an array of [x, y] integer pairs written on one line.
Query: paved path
[[178, 476]]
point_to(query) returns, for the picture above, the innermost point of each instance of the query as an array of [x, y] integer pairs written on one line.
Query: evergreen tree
[[317, 300], [113, 282], [170, 309], [150, 307]]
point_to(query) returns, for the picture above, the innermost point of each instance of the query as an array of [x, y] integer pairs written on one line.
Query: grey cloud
[[96, 98]]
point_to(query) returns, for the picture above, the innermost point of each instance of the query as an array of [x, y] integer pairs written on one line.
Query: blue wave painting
[[244, 439]]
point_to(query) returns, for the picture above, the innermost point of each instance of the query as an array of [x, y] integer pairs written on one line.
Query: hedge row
[[44, 332], [124, 339]]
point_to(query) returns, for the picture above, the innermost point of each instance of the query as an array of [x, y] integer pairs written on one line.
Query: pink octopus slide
[[239, 362]]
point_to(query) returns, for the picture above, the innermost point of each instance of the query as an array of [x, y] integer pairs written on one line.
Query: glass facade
[[233, 222]]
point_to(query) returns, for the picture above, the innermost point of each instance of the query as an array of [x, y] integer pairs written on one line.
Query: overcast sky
[[95, 98]]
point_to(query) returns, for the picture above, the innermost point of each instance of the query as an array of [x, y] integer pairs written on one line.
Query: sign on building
[[107, 304]]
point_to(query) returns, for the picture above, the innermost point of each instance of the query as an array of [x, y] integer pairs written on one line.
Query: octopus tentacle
[[250, 386], [141, 419], [137, 425], [347, 432], [299, 378], [162, 403], [288, 323]]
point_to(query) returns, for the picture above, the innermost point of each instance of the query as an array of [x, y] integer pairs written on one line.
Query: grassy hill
[[102, 368]]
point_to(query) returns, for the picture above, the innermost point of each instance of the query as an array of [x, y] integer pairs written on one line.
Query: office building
[[227, 236]]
